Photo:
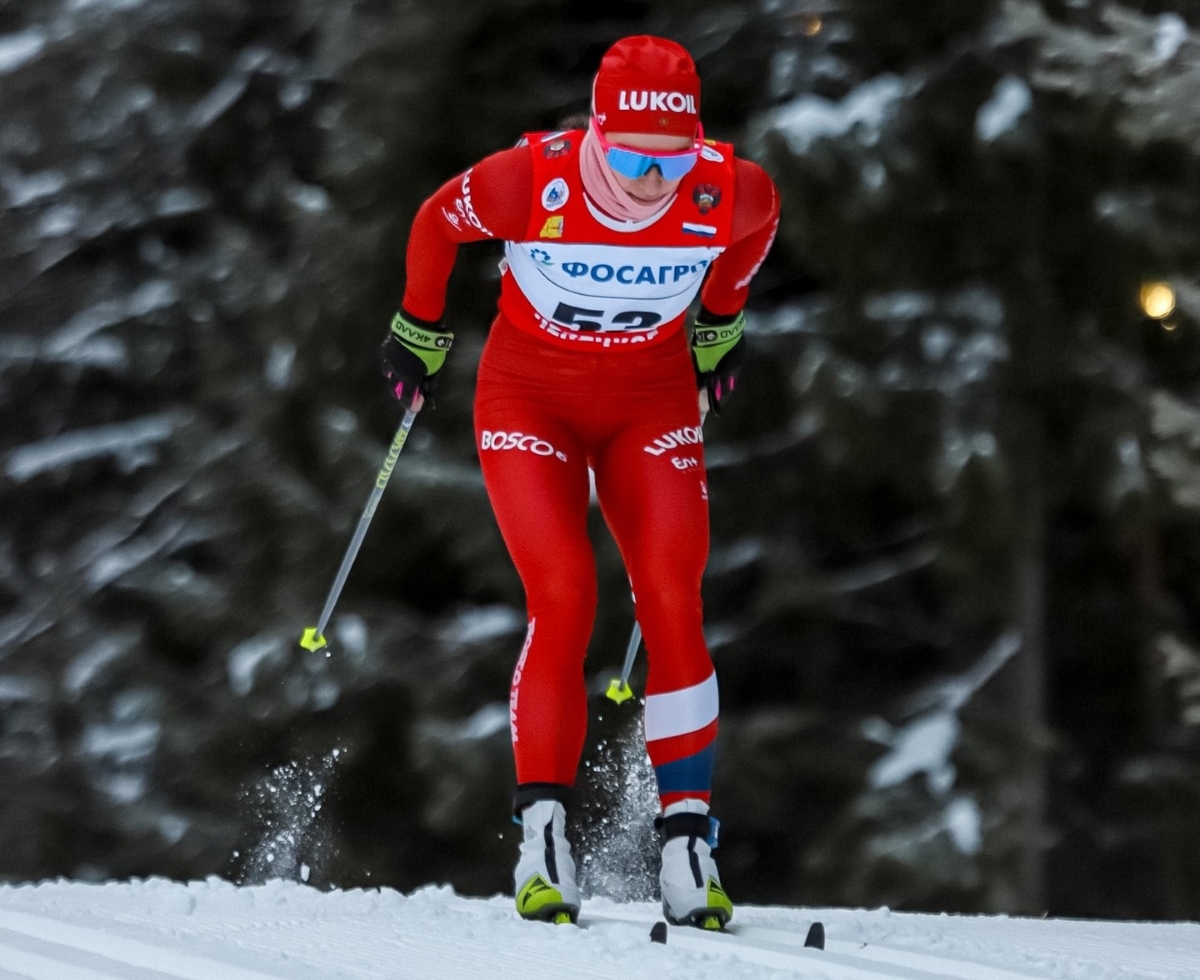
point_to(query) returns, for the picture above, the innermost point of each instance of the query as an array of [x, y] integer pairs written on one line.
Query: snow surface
[[213, 930], [130, 442], [1011, 100], [863, 111], [17, 49]]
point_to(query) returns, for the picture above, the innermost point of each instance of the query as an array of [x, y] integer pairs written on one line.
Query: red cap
[[647, 85]]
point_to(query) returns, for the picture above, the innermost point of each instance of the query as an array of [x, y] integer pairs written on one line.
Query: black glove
[[718, 350], [412, 356]]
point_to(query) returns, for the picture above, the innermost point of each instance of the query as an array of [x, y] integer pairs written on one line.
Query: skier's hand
[[718, 350], [411, 356]]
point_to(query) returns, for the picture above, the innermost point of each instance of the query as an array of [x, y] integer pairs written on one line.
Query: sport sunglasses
[[637, 163]]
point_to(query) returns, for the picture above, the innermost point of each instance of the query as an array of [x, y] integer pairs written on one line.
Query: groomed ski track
[[214, 930]]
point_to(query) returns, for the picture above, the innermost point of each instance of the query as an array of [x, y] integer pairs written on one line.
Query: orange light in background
[[1157, 299], [810, 23]]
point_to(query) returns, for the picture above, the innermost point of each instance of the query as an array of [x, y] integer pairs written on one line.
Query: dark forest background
[[954, 593]]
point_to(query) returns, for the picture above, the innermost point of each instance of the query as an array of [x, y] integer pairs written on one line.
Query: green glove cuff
[[431, 346], [711, 342]]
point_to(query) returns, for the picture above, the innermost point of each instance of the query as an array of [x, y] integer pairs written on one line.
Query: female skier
[[610, 232]]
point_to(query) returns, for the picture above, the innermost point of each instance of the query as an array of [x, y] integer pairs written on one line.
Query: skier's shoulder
[[552, 142], [505, 171], [756, 198]]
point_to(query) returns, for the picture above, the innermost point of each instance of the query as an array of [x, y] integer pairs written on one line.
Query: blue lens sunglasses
[[637, 163]]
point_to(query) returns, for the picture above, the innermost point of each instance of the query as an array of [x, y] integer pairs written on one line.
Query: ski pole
[[618, 688], [314, 636]]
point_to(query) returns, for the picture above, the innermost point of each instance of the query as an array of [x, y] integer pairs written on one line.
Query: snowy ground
[[213, 930]]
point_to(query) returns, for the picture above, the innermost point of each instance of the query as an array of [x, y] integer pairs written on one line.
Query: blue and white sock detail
[[681, 732]]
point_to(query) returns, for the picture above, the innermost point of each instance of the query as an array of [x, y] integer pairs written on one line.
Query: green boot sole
[[540, 901]]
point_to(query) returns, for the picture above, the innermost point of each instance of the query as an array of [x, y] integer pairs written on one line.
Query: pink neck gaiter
[[602, 187]]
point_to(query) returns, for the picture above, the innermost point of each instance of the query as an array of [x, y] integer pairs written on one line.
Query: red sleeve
[[755, 219], [490, 200]]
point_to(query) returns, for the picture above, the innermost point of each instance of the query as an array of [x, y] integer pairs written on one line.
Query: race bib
[[607, 288]]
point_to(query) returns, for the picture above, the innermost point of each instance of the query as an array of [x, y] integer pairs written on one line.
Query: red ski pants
[[543, 418]]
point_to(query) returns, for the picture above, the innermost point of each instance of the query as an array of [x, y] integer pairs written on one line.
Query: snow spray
[[287, 806], [618, 853]]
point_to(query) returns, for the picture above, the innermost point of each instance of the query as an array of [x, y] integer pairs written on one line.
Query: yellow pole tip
[[619, 691], [312, 640]]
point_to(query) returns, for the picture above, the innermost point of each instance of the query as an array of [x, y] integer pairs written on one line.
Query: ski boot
[[691, 885], [545, 874]]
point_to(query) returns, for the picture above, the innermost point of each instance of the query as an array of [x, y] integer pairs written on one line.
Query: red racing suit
[[586, 375]]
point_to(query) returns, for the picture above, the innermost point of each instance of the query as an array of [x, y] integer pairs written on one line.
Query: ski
[[815, 939]]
